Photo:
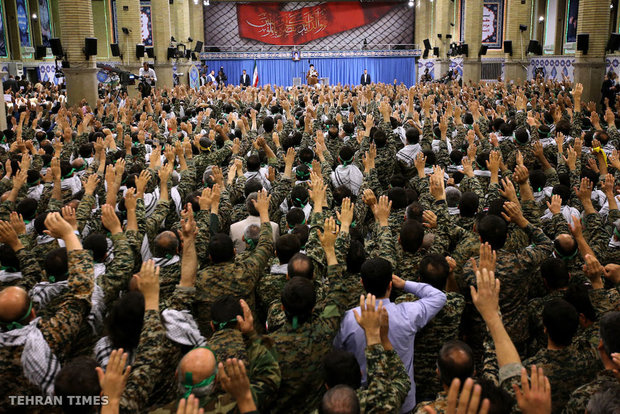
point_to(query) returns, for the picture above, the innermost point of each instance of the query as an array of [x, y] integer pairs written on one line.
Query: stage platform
[[344, 67]]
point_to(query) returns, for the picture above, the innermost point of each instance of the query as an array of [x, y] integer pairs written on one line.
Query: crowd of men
[[367, 249]]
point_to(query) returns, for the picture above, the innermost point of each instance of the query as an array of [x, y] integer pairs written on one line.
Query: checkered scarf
[[181, 328], [40, 365]]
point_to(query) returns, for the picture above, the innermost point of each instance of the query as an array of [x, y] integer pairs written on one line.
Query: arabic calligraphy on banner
[[268, 23], [493, 23]]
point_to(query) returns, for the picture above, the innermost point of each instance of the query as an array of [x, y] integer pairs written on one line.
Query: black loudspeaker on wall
[[40, 52], [427, 44], [116, 51], [583, 42], [534, 47], [150, 51], [614, 42], [425, 54], [90, 46], [508, 47], [56, 46], [139, 51], [171, 52], [483, 50], [465, 49], [436, 51], [198, 47]]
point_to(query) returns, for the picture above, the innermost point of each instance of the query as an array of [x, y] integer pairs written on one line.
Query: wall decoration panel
[[555, 68]]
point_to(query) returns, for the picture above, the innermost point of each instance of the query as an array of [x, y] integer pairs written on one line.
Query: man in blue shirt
[[405, 319]]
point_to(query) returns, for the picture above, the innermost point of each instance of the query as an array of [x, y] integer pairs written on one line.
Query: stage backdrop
[[343, 70], [492, 23], [320, 25]]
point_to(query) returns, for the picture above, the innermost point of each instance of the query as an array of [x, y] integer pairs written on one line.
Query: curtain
[[346, 71]]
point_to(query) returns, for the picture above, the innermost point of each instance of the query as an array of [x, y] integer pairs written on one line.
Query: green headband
[[221, 325], [69, 173], [188, 383], [16, 324]]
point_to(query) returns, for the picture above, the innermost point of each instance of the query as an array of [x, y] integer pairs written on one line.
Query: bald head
[[341, 399], [200, 362], [13, 304], [565, 245], [166, 243], [455, 361]]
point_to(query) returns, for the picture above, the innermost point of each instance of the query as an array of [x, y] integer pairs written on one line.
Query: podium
[[297, 81], [324, 81]]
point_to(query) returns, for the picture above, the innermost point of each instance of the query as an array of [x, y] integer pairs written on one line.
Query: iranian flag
[[255, 75]]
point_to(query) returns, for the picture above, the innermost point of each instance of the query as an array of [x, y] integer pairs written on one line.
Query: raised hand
[[369, 318], [430, 219], [246, 322], [329, 235], [556, 204], [148, 284], [381, 210], [534, 398], [57, 227], [114, 379], [234, 380], [17, 222], [189, 229], [486, 293], [110, 220], [68, 213], [488, 258], [345, 215]]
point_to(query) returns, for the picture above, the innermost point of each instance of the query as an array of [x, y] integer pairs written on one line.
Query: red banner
[[268, 23]]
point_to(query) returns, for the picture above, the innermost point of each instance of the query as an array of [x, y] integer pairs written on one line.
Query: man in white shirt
[[148, 73], [237, 229]]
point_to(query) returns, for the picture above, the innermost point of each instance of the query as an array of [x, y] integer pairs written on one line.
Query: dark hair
[[221, 248], [295, 216], [380, 138], [252, 186], [346, 154], [249, 204], [500, 401], [414, 211], [253, 163], [39, 223], [340, 399], [341, 367], [561, 320], [355, 256], [538, 179], [563, 126], [306, 155], [493, 230], [398, 197], [411, 236], [300, 265], [609, 330], [468, 204], [577, 295], [27, 208], [341, 193], [56, 264], [451, 367], [555, 273], [434, 270], [8, 258], [298, 298], [224, 311], [412, 135], [302, 232], [98, 245], [268, 124], [77, 377], [124, 321], [376, 276], [299, 195], [286, 247], [563, 191]]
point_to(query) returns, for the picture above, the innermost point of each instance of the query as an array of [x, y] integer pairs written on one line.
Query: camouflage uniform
[[430, 339], [566, 369], [300, 351], [512, 269], [538, 338], [237, 278], [215, 157], [440, 404], [579, 398], [388, 382], [262, 369], [148, 363], [58, 331]]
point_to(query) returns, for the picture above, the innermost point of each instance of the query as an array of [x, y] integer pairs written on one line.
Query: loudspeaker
[[427, 44], [116, 51], [448, 36], [483, 50], [464, 50], [150, 51], [436, 51], [583, 42], [508, 47], [139, 51], [171, 52], [40, 52], [522, 27], [425, 54], [614, 42], [56, 46], [532, 47], [90, 46], [198, 47], [439, 35]]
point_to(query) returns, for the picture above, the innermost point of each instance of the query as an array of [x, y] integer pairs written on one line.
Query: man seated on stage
[[245, 79], [365, 78], [312, 77], [148, 73]]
